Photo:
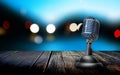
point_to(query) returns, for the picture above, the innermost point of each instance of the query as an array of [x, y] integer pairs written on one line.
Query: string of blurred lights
[[50, 28], [35, 28]]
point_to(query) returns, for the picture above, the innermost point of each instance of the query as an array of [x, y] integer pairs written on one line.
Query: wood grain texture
[[55, 63], [39, 67]]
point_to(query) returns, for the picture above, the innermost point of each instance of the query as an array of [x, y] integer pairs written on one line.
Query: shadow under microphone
[[90, 32]]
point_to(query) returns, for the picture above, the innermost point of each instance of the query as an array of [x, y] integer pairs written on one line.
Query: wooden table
[[55, 63]]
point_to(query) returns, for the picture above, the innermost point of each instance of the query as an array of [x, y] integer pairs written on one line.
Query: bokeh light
[[50, 37], [27, 24], [50, 28], [79, 26], [2, 31], [73, 27], [34, 28], [6, 25], [117, 33], [36, 38]]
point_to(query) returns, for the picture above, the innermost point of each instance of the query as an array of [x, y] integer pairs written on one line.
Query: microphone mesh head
[[90, 28]]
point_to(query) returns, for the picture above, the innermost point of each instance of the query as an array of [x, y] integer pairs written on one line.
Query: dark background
[[14, 35]]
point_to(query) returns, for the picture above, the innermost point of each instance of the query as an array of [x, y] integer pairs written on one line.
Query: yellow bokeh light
[[73, 27]]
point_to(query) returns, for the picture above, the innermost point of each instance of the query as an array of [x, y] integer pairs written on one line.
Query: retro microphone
[[90, 32]]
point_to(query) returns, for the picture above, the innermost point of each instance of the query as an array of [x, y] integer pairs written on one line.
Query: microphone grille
[[90, 28]]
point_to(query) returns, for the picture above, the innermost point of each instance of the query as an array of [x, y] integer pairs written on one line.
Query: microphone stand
[[88, 61], [89, 49]]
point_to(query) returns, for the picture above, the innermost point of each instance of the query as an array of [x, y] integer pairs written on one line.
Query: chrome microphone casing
[[90, 32]]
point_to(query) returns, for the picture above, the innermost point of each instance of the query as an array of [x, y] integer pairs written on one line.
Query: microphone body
[[90, 32], [90, 29]]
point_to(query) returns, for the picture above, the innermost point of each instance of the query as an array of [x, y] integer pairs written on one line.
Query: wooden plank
[[56, 64], [76, 54], [8, 57], [112, 53], [112, 63], [68, 63], [112, 60], [1, 52], [88, 71], [69, 59], [65, 65], [106, 58], [100, 58], [5, 54], [29, 58], [17, 58], [20, 62], [41, 63]]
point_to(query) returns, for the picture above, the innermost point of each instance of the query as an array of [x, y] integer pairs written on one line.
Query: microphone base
[[88, 61]]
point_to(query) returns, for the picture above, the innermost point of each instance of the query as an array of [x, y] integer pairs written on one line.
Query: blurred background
[[56, 24]]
